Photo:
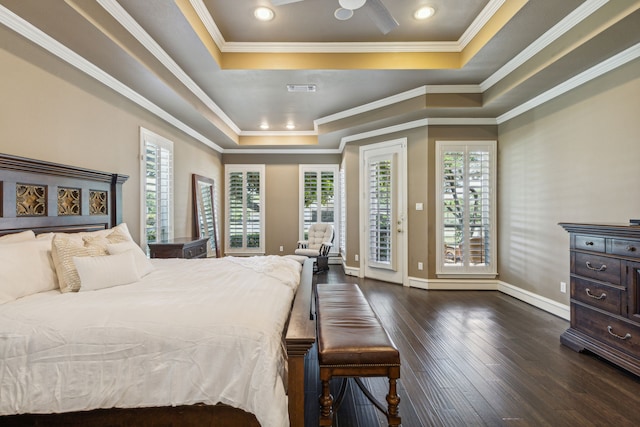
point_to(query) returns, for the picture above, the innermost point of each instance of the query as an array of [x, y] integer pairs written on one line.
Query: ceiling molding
[[460, 121], [341, 47], [282, 151], [346, 47], [278, 133], [395, 99], [132, 26], [481, 20], [574, 18], [604, 67], [208, 22], [30, 32]]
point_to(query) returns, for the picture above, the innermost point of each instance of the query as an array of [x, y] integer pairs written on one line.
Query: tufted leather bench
[[352, 343]]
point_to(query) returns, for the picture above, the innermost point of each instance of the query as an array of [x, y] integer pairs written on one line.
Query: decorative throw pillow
[[143, 264], [26, 269], [63, 249], [101, 272], [118, 234], [18, 237]]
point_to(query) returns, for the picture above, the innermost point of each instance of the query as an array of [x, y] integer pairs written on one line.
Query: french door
[[383, 241]]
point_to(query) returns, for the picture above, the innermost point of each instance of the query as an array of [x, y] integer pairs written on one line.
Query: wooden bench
[[352, 343]]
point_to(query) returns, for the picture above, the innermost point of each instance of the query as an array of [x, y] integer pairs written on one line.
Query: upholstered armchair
[[317, 245]]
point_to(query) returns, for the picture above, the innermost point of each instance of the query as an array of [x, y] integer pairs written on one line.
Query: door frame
[[401, 145]]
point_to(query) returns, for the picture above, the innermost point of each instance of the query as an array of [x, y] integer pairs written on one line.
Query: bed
[[171, 346]]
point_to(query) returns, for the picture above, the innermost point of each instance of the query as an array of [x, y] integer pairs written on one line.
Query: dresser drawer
[[598, 267], [590, 243], [599, 295], [615, 332], [195, 251], [630, 248]]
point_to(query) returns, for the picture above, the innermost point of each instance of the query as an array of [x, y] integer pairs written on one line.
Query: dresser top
[[618, 230]]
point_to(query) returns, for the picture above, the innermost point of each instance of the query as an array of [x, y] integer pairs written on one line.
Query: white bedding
[[191, 331]]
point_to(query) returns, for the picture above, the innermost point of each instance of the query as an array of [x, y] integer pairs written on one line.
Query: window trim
[[451, 271], [148, 136], [319, 168], [244, 168]]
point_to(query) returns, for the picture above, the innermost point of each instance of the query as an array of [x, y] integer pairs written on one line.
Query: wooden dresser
[[605, 292], [181, 247]]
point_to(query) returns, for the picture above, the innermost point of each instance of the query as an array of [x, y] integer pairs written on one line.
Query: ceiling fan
[[376, 10]]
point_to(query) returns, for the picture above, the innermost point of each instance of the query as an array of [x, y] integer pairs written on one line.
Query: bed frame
[[49, 197]]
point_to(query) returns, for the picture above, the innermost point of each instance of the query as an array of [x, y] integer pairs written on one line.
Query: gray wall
[[575, 158], [59, 114]]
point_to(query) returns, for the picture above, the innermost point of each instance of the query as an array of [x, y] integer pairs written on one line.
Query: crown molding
[[574, 18], [394, 99], [120, 14], [278, 133], [481, 20], [604, 67], [35, 35], [346, 47], [441, 121], [208, 22], [340, 47], [282, 151]]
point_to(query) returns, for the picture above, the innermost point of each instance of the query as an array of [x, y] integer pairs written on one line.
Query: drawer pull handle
[[631, 248], [588, 243], [626, 337], [603, 267], [589, 294]]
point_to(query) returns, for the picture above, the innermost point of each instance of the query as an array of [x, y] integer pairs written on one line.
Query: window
[[245, 209], [318, 196], [157, 187], [380, 207], [466, 213]]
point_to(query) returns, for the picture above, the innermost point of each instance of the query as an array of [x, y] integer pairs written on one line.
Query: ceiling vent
[[301, 88]]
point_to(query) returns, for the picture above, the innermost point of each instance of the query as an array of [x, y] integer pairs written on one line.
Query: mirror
[[205, 222]]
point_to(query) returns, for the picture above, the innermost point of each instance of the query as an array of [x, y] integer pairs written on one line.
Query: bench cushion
[[349, 332]]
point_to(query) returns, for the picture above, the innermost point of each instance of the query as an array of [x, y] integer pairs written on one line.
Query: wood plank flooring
[[480, 358]]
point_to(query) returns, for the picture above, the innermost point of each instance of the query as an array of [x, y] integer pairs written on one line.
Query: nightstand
[[180, 247]]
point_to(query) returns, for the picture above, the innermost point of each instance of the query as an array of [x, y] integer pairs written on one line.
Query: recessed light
[[424, 12], [264, 125], [264, 14], [291, 126]]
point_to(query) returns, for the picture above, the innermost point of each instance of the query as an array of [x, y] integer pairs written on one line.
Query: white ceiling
[[211, 69]]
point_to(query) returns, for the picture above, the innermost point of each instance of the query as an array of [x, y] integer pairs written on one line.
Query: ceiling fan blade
[[380, 15], [281, 2]]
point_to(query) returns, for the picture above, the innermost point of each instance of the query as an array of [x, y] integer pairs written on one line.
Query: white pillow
[[18, 237], [63, 248], [99, 272], [26, 269], [143, 264]]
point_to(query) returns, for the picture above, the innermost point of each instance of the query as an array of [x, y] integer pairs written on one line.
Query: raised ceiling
[[214, 71]]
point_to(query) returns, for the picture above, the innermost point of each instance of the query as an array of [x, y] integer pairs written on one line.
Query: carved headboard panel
[[43, 196]]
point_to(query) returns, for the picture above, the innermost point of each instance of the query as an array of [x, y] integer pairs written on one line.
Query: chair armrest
[[302, 244], [325, 248]]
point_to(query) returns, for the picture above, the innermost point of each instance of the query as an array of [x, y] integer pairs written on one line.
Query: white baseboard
[[561, 310], [350, 271]]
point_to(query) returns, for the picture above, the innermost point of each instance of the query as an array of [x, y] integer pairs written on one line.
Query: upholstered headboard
[[43, 196]]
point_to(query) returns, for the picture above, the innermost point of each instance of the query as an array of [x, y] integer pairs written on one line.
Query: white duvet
[[192, 331]]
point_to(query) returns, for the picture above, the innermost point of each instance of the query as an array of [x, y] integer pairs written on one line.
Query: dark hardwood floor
[[481, 358]]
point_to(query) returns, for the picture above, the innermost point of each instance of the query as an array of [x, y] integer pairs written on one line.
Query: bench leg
[[393, 400], [326, 403]]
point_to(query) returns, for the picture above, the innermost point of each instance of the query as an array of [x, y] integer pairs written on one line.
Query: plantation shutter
[[158, 159], [467, 204], [245, 209], [380, 212]]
